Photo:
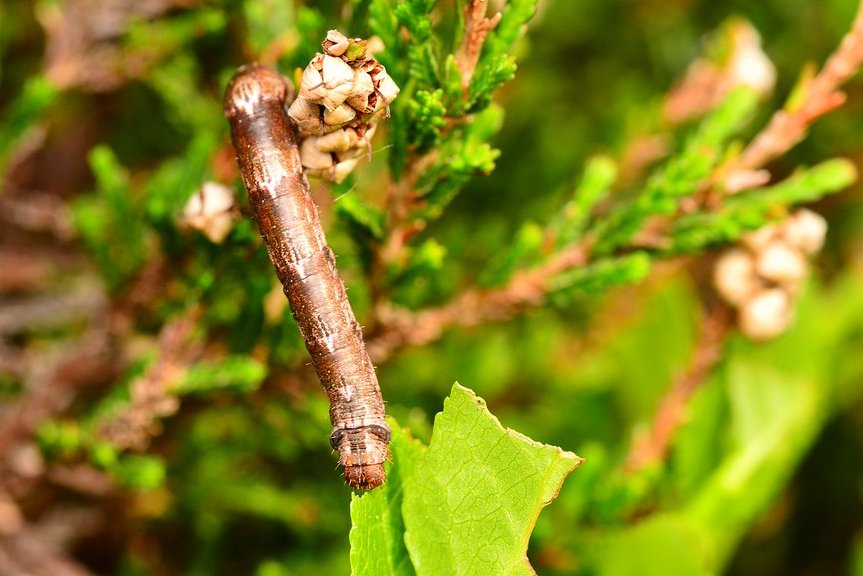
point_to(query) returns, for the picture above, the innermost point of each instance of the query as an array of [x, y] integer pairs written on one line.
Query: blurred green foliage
[[241, 480]]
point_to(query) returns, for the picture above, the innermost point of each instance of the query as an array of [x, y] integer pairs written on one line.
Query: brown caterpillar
[[265, 144]]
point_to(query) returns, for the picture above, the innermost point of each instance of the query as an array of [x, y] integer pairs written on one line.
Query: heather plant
[[634, 240]]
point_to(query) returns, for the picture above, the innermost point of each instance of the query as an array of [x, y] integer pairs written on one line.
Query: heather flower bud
[[340, 116], [312, 157], [336, 43], [312, 82], [806, 230], [341, 94], [343, 169], [775, 257], [749, 65], [387, 88], [338, 141], [781, 263], [766, 315], [306, 116], [734, 277], [757, 240], [210, 210], [327, 81], [363, 90]]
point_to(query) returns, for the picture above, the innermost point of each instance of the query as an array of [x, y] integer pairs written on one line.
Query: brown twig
[[152, 397], [821, 95], [27, 552], [527, 288], [653, 445], [477, 27], [50, 386], [82, 48]]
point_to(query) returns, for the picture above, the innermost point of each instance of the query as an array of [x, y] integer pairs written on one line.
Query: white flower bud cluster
[[762, 276], [343, 93], [211, 210]]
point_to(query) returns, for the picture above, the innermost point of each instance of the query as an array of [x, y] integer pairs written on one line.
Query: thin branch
[[527, 288], [83, 48], [395, 327], [653, 446], [50, 386], [477, 27], [152, 397], [820, 95]]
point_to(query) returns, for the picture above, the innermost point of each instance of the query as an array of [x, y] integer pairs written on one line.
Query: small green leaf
[[360, 215], [109, 221], [427, 118], [238, 373], [139, 472], [603, 274], [754, 208], [599, 175], [38, 95], [681, 175], [425, 259], [525, 249]]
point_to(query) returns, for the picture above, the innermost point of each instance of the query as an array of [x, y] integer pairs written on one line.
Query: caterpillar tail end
[[365, 477]]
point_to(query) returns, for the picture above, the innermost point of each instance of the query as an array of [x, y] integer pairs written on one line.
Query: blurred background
[[110, 121]]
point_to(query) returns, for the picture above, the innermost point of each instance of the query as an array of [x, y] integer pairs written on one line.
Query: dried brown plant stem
[[820, 95], [653, 445]]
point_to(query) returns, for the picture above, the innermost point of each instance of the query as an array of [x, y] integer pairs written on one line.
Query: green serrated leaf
[[473, 498], [468, 502], [377, 532]]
